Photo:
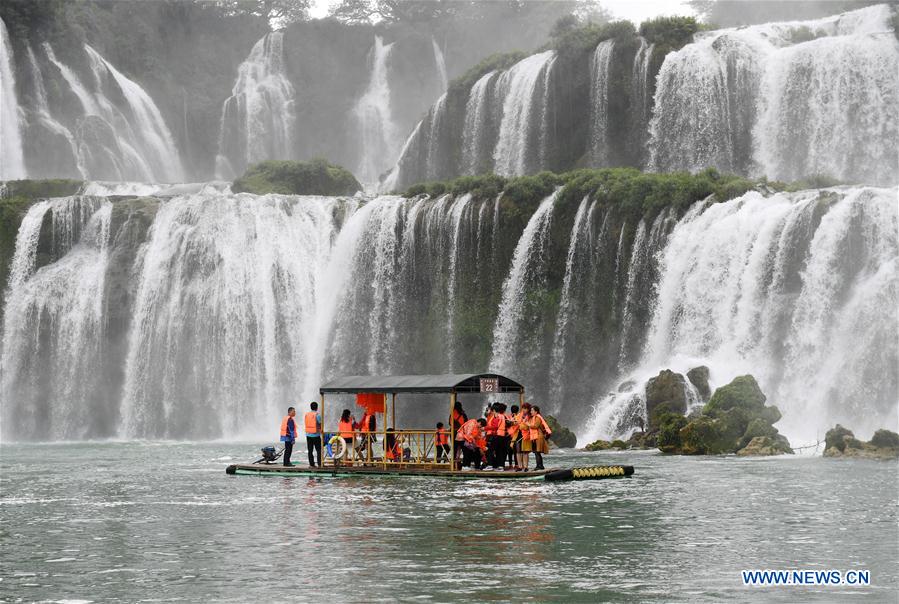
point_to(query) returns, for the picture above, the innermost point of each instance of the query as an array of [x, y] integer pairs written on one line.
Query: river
[[161, 521]]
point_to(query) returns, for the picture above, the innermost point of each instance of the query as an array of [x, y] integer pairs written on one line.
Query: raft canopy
[[391, 384]]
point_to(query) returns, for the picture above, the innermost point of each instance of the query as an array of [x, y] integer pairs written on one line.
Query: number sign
[[489, 385]]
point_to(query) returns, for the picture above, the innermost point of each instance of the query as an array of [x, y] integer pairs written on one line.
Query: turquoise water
[[162, 521]]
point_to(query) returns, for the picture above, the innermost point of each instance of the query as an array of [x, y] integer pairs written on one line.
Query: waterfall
[[521, 296], [52, 360], [46, 119], [374, 118], [441, 64], [475, 132], [786, 100], [522, 129], [149, 133], [127, 143], [436, 121], [641, 99], [798, 290], [12, 160], [600, 61], [258, 119]]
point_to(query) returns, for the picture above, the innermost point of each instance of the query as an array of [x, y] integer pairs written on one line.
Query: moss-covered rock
[[766, 445], [665, 394], [669, 436], [315, 177], [598, 445], [841, 442], [561, 436], [699, 377], [618, 444], [743, 392], [40, 189]]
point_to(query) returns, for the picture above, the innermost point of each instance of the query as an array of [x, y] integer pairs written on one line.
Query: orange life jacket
[[539, 427], [311, 423], [284, 426], [501, 424], [492, 423], [513, 429], [457, 419], [394, 451], [469, 431], [523, 425], [345, 428], [442, 438]]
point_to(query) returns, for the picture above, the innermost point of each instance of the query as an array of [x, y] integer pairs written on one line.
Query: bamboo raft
[[585, 473]]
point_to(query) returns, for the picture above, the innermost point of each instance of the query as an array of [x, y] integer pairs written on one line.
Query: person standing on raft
[[313, 421], [288, 434], [539, 433]]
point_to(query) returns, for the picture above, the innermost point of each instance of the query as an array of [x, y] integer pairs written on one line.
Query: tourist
[[458, 420], [441, 443], [514, 438], [471, 434], [496, 455], [539, 433], [345, 428], [288, 434], [313, 422], [525, 440], [393, 446], [367, 428]]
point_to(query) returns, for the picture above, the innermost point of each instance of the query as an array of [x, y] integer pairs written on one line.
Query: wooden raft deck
[[262, 469]]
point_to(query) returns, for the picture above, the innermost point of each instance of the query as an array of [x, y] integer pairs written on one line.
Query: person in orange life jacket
[[540, 432], [441, 443], [490, 433], [473, 442], [393, 450], [367, 428], [524, 448], [345, 428], [459, 418], [514, 437], [313, 422], [288, 434], [498, 424]]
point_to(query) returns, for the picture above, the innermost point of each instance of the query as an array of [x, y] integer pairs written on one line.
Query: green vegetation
[[40, 189], [315, 177], [841, 442], [669, 32], [570, 42], [502, 60], [561, 436]]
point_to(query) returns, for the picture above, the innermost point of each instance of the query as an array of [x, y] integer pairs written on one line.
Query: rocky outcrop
[[315, 177], [562, 437], [735, 420], [665, 393], [841, 442], [699, 377]]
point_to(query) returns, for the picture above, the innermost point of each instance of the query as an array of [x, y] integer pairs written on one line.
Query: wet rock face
[[841, 442], [699, 377], [766, 445], [561, 437]]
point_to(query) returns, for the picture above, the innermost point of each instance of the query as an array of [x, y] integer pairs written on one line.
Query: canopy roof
[[463, 382]]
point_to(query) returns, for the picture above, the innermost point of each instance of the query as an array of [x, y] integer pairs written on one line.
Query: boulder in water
[[598, 445], [743, 393], [766, 445], [665, 394], [562, 437], [841, 442], [699, 377], [315, 177]]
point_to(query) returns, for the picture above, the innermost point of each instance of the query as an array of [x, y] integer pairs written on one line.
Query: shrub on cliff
[[315, 177]]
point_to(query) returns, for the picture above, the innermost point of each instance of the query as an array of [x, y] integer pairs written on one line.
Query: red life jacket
[[442, 438], [345, 428]]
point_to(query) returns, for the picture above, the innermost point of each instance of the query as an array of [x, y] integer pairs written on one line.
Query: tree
[[278, 13]]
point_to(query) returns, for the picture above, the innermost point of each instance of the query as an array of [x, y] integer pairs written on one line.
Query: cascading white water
[[600, 61], [641, 100], [51, 361], [12, 159], [148, 131], [785, 100], [441, 63], [435, 122], [524, 93], [132, 142], [258, 119], [224, 299], [477, 114], [527, 273], [45, 118], [374, 118], [804, 303]]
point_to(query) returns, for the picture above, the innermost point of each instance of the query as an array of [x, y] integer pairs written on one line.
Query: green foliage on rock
[[40, 189], [841, 442], [665, 394], [670, 32], [584, 39], [598, 445], [885, 438], [315, 177], [743, 393], [561, 436], [498, 61], [670, 425]]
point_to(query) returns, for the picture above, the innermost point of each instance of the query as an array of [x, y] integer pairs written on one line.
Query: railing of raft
[[411, 448]]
